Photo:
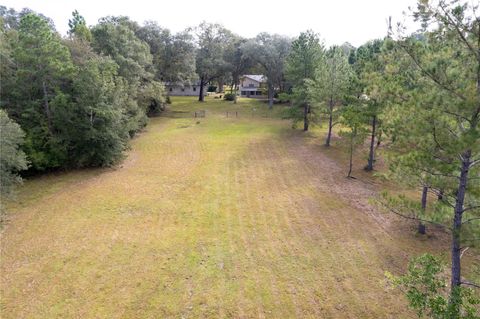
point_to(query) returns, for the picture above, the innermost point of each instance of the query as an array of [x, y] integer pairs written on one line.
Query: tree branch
[[464, 251], [468, 283], [459, 32], [446, 161], [417, 219], [456, 115], [472, 164], [437, 174], [430, 75], [470, 220]]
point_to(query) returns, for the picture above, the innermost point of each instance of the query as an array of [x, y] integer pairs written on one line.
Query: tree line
[[79, 98]]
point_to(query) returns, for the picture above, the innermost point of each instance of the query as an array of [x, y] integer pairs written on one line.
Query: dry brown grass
[[234, 218]]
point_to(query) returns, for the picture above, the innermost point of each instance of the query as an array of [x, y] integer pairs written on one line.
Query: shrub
[[229, 97], [426, 289], [12, 158], [284, 97]]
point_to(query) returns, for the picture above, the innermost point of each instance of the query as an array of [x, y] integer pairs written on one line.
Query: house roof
[[256, 77]]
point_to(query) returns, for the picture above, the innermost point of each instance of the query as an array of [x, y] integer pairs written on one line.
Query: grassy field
[[216, 217]]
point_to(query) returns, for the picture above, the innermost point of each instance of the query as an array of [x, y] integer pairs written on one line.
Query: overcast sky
[[337, 21]]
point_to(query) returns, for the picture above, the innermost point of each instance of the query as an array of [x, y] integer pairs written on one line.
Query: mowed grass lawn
[[214, 217]]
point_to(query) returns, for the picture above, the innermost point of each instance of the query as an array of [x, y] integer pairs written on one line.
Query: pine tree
[[305, 55], [440, 114], [330, 86]]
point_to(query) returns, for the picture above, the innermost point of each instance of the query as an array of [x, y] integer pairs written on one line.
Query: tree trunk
[[371, 155], [457, 225], [351, 157], [200, 95], [305, 117], [270, 95], [330, 125], [235, 93], [220, 86], [421, 226], [47, 107]]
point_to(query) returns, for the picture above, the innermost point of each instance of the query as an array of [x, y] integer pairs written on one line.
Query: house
[[178, 89], [253, 85]]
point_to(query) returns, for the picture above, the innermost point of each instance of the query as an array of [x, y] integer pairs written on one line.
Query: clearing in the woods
[[238, 217]]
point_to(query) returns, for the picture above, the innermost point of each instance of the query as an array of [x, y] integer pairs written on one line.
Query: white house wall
[[246, 82], [250, 88]]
